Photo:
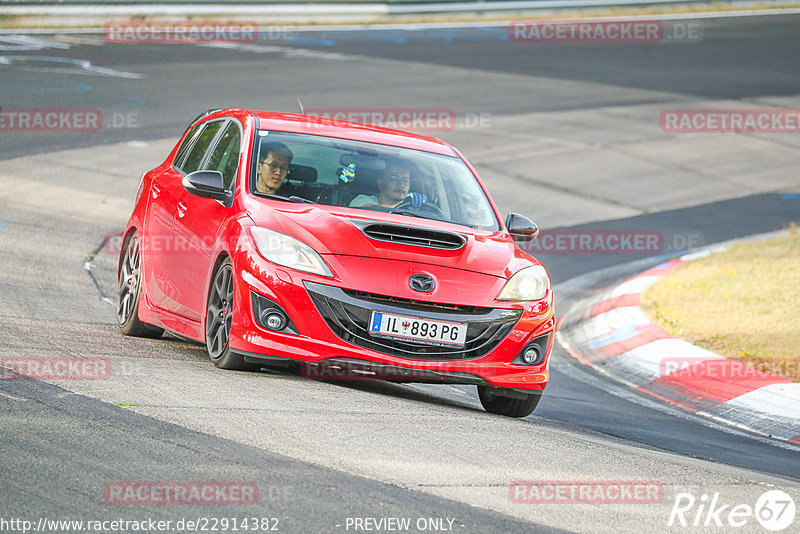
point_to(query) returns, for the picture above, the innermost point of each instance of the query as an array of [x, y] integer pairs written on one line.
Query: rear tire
[[129, 291], [219, 316], [520, 405]]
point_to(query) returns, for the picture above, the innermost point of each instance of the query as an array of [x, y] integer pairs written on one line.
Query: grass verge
[[743, 303]]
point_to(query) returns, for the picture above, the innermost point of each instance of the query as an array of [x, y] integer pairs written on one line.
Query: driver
[[392, 188], [272, 170]]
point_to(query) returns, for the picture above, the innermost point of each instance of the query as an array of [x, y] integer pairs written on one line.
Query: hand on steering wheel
[[416, 199], [420, 202]]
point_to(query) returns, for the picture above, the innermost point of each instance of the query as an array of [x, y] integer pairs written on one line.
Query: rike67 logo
[[774, 510]]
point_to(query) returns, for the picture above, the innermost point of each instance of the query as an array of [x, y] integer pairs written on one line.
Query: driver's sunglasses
[[275, 167]]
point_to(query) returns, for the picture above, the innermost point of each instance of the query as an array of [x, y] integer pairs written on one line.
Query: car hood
[[338, 231]]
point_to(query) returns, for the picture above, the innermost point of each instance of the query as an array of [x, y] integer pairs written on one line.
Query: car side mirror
[[521, 228], [207, 184]]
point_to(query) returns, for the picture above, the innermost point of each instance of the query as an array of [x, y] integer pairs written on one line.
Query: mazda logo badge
[[422, 283]]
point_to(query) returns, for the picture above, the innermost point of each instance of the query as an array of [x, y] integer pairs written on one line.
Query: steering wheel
[[426, 206]]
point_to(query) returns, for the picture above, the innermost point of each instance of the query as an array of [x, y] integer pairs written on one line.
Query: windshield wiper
[[295, 198]]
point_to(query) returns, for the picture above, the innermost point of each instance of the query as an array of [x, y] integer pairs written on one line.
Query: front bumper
[[332, 341]]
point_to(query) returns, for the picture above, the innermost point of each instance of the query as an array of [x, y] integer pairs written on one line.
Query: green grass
[[743, 303]]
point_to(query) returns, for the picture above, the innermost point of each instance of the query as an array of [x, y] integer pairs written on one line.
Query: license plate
[[426, 331]]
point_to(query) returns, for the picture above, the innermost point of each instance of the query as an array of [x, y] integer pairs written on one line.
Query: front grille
[[411, 235], [348, 313]]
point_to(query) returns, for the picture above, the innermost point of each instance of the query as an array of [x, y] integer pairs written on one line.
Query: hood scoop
[[410, 235]]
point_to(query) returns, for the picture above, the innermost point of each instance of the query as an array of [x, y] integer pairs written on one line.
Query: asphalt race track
[[565, 133]]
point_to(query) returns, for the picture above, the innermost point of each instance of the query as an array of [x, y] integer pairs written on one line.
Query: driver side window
[[225, 156]]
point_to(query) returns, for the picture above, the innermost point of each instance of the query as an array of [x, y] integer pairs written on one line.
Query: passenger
[[273, 168], [393, 188]]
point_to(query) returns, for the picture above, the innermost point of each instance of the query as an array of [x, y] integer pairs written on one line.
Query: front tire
[[518, 405], [129, 291], [219, 315]]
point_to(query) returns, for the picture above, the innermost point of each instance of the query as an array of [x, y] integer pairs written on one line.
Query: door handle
[[182, 209], [156, 190]]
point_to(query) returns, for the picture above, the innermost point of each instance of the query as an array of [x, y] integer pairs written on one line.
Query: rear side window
[[195, 157], [186, 145], [225, 157]]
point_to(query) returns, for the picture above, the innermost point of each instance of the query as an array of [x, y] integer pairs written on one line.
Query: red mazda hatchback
[[350, 250]]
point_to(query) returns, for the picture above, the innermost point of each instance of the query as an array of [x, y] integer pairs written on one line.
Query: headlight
[[288, 251], [530, 283]]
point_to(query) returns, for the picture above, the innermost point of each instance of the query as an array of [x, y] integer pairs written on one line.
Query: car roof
[[290, 122]]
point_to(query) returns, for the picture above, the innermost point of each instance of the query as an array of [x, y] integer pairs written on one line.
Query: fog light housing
[[533, 353], [274, 319], [271, 316]]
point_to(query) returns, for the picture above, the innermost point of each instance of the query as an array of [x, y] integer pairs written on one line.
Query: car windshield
[[368, 176]]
